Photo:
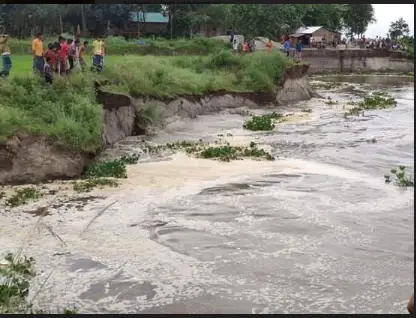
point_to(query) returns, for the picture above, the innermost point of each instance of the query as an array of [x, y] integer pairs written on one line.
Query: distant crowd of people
[[249, 45], [60, 58]]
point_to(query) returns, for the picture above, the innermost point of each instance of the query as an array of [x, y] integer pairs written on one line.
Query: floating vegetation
[[228, 153], [263, 122], [401, 179], [306, 110], [111, 169], [23, 196], [222, 151], [377, 100]]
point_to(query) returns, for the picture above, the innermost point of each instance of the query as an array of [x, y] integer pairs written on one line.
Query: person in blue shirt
[[286, 46], [299, 49]]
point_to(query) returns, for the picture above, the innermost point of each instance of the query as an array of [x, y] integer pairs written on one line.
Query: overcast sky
[[387, 13]]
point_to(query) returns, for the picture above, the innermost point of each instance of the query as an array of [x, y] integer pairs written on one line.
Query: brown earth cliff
[[30, 159]]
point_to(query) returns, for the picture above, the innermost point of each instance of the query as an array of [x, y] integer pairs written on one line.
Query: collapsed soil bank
[[30, 159]]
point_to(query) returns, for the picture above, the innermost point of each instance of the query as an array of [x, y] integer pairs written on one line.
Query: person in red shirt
[[63, 56], [51, 53]]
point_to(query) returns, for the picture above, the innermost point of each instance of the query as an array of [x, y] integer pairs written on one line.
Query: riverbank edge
[[26, 158]]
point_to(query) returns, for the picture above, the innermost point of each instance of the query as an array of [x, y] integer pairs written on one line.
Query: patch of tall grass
[[175, 76], [147, 46], [65, 111]]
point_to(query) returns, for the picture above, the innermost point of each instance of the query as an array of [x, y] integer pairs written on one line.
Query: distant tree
[[357, 17], [398, 29]]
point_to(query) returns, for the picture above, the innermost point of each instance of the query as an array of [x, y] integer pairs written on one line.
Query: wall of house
[[329, 36], [330, 61]]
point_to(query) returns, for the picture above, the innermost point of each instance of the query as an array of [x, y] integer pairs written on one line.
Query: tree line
[[270, 20]]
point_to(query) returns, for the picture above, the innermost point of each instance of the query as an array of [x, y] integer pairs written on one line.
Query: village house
[[314, 35], [150, 23]]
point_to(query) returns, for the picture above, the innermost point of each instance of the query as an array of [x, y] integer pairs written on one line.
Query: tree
[[357, 17], [398, 29]]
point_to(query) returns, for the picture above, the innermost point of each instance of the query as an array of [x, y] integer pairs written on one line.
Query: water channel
[[315, 231]]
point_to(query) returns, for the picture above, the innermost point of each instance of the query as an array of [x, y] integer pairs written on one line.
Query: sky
[[387, 13]]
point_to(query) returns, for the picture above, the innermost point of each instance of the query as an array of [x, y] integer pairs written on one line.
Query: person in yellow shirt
[[37, 52], [98, 53], [5, 54]]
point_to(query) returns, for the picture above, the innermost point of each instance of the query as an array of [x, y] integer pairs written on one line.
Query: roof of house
[[308, 30], [296, 35], [312, 29], [149, 17]]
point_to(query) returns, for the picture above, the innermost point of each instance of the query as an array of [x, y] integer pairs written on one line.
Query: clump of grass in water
[[89, 184], [97, 174], [223, 152], [114, 168], [23, 196], [377, 100], [228, 153], [263, 122], [306, 110], [15, 276], [402, 180]]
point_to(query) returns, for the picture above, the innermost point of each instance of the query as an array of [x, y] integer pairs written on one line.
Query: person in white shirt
[[235, 46]]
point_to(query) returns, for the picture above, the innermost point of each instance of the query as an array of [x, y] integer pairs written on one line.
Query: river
[[315, 231]]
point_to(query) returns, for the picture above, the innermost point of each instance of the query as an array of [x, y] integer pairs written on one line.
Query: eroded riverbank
[[315, 231]]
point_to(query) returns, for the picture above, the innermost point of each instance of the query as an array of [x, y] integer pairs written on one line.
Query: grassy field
[[68, 113], [148, 46]]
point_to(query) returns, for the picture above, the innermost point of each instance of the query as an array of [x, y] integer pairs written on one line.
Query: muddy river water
[[315, 231]]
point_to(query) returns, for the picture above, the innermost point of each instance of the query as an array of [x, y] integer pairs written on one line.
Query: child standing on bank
[[47, 70], [82, 50], [51, 53]]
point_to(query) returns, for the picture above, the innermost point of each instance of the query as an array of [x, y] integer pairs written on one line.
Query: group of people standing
[[60, 58], [64, 56]]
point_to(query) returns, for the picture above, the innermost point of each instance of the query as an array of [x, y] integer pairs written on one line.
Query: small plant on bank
[[23, 196], [402, 180], [263, 122]]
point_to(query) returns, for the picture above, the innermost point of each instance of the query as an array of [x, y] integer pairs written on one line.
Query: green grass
[[153, 46], [67, 112], [263, 123]]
